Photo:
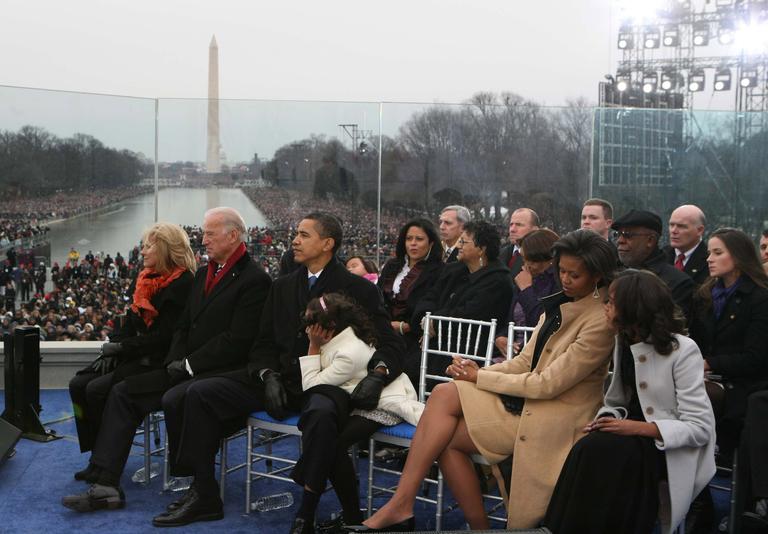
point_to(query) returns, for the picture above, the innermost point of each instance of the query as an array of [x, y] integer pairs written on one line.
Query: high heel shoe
[[409, 525]]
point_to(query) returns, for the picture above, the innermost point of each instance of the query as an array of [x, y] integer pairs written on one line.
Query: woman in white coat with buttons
[[650, 449]]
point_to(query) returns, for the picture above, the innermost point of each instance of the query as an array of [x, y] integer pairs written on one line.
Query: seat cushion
[[402, 430], [292, 419]]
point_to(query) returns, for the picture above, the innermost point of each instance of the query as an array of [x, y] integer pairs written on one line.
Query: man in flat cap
[[637, 240]]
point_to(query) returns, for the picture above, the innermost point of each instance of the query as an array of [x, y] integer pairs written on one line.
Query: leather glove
[[366, 394], [104, 364], [111, 349], [275, 397], [177, 371]]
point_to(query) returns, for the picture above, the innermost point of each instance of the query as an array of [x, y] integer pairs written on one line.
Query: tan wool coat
[[562, 394]]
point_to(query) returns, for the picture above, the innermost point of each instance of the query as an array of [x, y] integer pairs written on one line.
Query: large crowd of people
[[682, 327]]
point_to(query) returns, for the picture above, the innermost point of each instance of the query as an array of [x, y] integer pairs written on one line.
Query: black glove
[[275, 397], [177, 371], [366, 394], [111, 349], [104, 364]]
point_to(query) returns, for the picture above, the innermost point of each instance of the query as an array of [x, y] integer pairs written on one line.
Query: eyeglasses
[[629, 235], [463, 242]]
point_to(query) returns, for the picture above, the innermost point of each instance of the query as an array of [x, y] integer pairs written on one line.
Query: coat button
[[733, 317], [649, 410], [528, 412], [643, 385], [522, 438], [642, 358]]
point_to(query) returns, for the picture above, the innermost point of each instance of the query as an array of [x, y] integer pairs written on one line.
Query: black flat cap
[[642, 218]]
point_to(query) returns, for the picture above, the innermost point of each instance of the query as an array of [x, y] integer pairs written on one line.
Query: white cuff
[[189, 368]]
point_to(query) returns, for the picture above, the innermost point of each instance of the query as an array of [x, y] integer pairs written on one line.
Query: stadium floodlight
[[670, 80], [623, 81], [671, 36], [626, 39], [725, 35], [722, 79], [701, 34], [651, 38], [650, 82], [752, 37], [696, 80], [748, 76]]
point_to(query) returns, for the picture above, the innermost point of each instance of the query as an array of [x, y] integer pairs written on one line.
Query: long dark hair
[[645, 310], [436, 246], [592, 249], [745, 260], [336, 312]]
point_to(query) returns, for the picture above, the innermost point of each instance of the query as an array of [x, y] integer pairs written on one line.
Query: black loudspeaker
[[22, 383], [9, 435]]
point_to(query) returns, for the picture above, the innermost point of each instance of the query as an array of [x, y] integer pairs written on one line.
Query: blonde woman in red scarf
[[159, 295]]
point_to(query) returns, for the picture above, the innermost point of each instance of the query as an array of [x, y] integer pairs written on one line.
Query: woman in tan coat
[[534, 405]]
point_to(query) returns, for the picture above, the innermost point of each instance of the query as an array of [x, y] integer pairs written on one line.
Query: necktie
[[679, 262], [447, 254], [312, 280], [513, 259]]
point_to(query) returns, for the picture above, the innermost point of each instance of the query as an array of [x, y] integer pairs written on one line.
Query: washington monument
[[213, 161]]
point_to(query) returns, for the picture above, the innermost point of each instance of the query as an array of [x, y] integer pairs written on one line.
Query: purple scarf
[[721, 294]]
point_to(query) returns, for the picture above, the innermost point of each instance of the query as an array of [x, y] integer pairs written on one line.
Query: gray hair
[[462, 213], [230, 218]]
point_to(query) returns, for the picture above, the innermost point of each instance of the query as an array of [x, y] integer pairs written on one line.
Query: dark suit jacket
[[429, 274], [678, 282], [735, 345], [282, 340], [505, 255], [215, 331], [696, 267], [453, 256]]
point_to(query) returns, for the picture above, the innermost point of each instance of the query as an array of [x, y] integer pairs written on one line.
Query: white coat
[[343, 362], [672, 395]]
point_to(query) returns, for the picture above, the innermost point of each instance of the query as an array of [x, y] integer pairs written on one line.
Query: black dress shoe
[[90, 474], [302, 526], [178, 503], [97, 497], [195, 508], [331, 526], [409, 525]]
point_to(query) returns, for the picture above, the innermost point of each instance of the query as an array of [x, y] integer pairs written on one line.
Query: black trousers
[[325, 452], [89, 392], [122, 414], [754, 446]]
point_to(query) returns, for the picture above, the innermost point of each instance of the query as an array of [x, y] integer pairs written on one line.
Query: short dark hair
[[765, 232], [645, 310], [485, 235], [327, 225], [436, 251], [592, 249], [537, 245], [607, 206]]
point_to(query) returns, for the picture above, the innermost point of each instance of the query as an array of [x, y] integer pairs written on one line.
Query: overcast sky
[[426, 51]]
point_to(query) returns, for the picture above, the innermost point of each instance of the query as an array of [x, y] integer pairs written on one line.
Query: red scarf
[[147, 286], [213, 278]]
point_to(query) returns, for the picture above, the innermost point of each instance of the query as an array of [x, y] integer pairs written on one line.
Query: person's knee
[[445, 392]]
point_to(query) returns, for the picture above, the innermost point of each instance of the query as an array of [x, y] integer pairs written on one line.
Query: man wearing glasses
[[637, 240]]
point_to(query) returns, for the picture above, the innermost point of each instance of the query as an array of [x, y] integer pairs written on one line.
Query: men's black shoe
[[90, 474], [97, 497], [195, 508], [178, 503], [331, 526], [303, 526]]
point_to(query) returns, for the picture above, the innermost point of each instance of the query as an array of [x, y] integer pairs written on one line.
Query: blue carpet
[[33, 481]]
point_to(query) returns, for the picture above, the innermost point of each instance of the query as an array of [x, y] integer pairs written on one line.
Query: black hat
[[646, 219]]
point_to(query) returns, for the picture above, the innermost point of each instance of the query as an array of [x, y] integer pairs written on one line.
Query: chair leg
[[737, 500], [439, 505], [502, 485], [222, 467], [371, 455], [147, 449], [166, 466], [248, 467]]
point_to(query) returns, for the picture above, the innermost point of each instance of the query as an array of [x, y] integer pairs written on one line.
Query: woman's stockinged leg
[[459, 473], [433, 434]]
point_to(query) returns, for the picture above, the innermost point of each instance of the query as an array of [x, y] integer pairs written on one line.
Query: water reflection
[[119, 227]]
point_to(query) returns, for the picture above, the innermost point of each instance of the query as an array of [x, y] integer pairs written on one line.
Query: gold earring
[[482, 264]]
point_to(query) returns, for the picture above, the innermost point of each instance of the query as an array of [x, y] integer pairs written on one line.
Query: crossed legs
[[441, 435]]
